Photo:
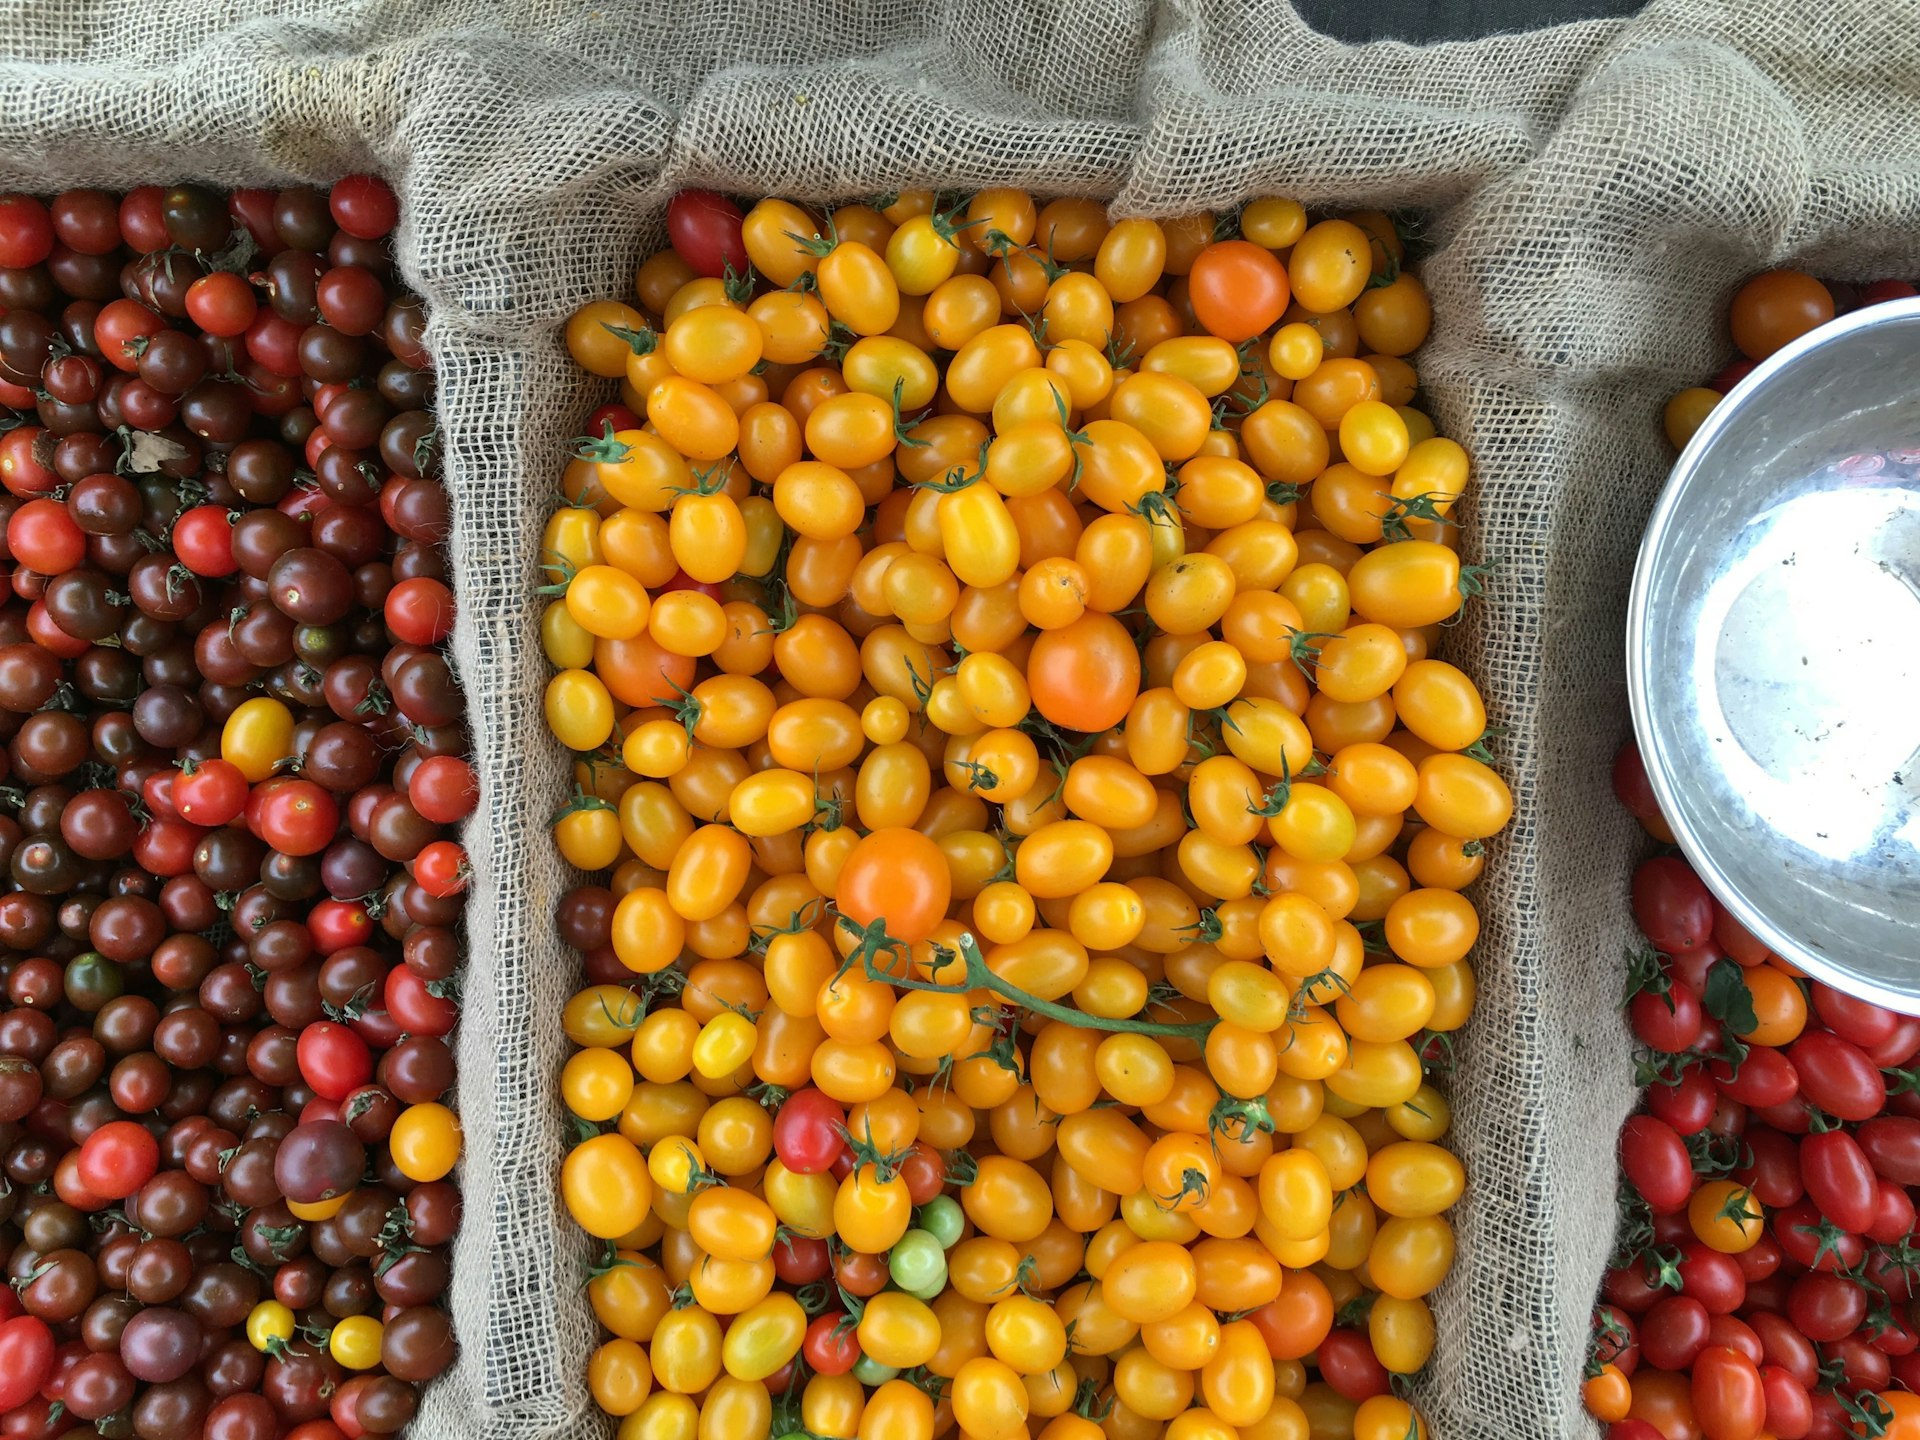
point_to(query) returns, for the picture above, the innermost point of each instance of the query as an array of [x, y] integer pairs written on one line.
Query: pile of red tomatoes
[[1765, 1276]]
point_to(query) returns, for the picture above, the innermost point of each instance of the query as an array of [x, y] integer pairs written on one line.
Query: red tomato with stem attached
[[441, 868], [1711, 1278], [415, 1008], [830, 1346], [209, 792], [1765, 1078], [203, 539], [1670, 1021], [1687, 1104]]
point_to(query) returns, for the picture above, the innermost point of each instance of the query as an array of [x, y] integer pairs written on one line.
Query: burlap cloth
[[1594, 192]]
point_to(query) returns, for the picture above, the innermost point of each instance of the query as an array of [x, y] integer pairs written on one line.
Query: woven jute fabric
[[1592, 194]]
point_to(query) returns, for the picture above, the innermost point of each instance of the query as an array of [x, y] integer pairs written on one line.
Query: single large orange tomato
[[898, 875], [1085, 676]]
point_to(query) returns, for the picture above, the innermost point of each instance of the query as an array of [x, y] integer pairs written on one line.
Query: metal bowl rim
[[1653, 544]]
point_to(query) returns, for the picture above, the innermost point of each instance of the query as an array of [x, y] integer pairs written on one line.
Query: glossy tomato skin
[[1809, 1240], [1788, 1407], [1760, 1261], [1839, 1179], [1765, 1078], [1655, 1159], [1686, 1106], [1857, 1021], [1728, 1398], [704, 229], [26, 1359], [1837, 1076], [1825, 1307], [1711, 1278], [806, 1132], [1348, 1364], [1773, 1168], [1630, 784], [1892, 1144], [1631, 1288], [1897, 1051], [1674, 1331], [1673, 909], [1671, 1023]]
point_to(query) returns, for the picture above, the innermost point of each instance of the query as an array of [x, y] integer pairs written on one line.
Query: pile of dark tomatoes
[[233, 770]]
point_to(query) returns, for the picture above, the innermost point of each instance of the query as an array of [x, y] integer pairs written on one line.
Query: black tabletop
[[1427, 21]]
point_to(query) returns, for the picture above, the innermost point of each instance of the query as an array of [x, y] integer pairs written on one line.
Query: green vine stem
[[875, 942]]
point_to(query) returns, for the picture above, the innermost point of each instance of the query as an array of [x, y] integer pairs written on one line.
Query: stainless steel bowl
[[1773, 653]]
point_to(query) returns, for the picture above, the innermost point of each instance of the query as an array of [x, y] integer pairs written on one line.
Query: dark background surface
[[1424, 22]]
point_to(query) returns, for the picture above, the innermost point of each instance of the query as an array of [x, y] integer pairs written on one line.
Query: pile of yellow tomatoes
[[997, 643]]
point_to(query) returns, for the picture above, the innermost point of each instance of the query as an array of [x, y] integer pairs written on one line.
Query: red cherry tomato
[[42, 535], [1655, 1159], [415, 1008], [1671, 906], [1671, 1022], [441, 868], [1825, 1307], [203, 539], [1892, 1144], [117, 1159], [1773, 1168], [442, 788], [1674, 1331], [1631, 787], [801, 1259], [1837, 1076], [336, 924], [296, 817], [26, 1359], [209, 792], [420, 611], [26, 235], [808, 1132], [333, 1060], [1765, 1078], [1840, 1179], [1348, 1364], [364, 206], [1728, 1399], [1711, 1278], [1686, 1105], [830, 1346], [704, 230]]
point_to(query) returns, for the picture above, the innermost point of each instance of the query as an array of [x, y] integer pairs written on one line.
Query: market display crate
[[1589, 196]]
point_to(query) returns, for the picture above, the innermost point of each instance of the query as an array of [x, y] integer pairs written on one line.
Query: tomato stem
[[874, 940]]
